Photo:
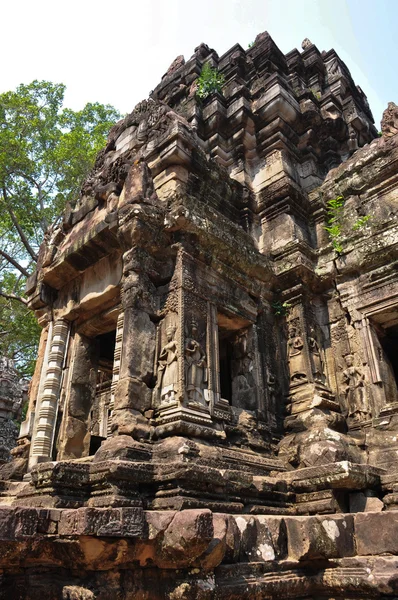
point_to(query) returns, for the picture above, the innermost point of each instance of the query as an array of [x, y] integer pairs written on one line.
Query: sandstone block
[[122, 447], [118, 522], [320, 537], [216, 550], [262, 538], [376, 533], [16, 523], [363, 502], [138, 345], [130, 422], [77, 439], [133, 393], [186, 538]]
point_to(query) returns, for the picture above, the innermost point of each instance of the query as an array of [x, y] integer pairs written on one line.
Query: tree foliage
[[45, 153]]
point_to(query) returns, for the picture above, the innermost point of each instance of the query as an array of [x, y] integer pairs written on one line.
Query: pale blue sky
[[116, 52]]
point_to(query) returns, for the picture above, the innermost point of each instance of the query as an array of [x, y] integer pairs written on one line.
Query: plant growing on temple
[[316, 94], [361, 223], [281, 309], [209, 82], [335, 208], [45, 153]]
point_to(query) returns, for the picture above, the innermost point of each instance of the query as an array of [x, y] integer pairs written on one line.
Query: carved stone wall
[[250, 416]]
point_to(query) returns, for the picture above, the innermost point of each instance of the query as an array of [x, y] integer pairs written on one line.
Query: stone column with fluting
[[47, 404]]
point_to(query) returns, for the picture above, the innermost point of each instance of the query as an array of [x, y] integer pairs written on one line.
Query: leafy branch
[[209, 82], [281, 309], [334, 222], [361, 222], [46, 151]]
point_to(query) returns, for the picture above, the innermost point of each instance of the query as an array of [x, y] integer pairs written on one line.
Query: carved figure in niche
[[243, 384], [355, 391], [316, 357], [296, 356], [271, 383], [243, 357], [168, 366], [195, 368]]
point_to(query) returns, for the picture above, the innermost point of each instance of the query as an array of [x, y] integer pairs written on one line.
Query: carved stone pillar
[[75, 435], [194, 394], [133, 375], [314, 423], [47, 403], [219, 407], [37, 382], [117, 359]]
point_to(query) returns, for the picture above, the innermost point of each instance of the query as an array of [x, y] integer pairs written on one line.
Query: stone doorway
[[389, 343], [226, 354], [100, 413]]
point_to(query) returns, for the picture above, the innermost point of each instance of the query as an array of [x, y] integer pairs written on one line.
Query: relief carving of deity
[[271, 383], [243, 383], [355, 395], [316, 357], [168, 367], [195, 368], [243, 356], [296, 357]]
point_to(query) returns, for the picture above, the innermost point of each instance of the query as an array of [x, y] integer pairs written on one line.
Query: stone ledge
[[195, 554], [252, 537], [340, 475]]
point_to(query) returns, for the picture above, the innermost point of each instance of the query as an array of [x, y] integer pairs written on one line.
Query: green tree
[[45, 153]]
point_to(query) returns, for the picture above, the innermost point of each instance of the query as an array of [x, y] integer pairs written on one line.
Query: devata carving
[[195, 368], [296, 357], [168, 367], [355, 393], [316, 357], [243, 384]]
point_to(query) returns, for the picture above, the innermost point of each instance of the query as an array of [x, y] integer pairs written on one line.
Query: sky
[[115, 52]]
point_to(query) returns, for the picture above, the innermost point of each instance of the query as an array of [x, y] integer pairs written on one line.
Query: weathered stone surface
[[217, 386], [363, 502], [312, 538], [376, 533], [86, 560], [187, 537], [121, 447], [131, 422], [389, 121]]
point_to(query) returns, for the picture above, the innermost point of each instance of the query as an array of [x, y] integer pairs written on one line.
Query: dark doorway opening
[[389, 343], [95, 443], [106, 343], [225, 358], [106, 350]]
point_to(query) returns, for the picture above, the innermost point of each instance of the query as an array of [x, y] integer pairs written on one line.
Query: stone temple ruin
[[214, 411]]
